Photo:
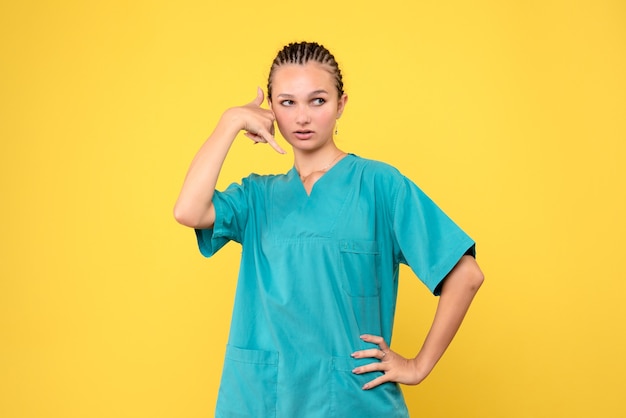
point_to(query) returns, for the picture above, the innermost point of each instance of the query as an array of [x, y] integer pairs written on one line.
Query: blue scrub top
[[317, 271]]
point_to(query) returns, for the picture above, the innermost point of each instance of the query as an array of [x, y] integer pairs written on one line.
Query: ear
[[341, 104], [269, 102]]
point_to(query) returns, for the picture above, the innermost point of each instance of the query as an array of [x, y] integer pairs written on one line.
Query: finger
[[258, 100], [265, 137], [376, 382], [369, 353], [368, 368], [275, 145], [255, 137], [375, 339]]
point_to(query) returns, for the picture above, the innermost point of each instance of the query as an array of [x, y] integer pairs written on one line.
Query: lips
[[303, 135]]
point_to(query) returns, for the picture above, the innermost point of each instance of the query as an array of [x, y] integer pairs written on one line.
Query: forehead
[[294, 78]]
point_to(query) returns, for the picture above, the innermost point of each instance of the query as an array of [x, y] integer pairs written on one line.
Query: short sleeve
[[427, 239], [231, 214]]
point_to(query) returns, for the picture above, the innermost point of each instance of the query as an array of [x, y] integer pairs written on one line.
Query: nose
[[302, 115]]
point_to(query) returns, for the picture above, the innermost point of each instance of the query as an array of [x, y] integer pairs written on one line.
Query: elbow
[[464, 280], [476, 280], [180, 218], [469, 274], [474, 276], [184, 217], [190, 218]]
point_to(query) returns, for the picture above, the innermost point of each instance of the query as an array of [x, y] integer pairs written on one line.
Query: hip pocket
[[249, 383], [349, 400], [360, 261]]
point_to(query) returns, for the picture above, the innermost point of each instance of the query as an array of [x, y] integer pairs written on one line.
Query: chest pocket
[[360, 262]]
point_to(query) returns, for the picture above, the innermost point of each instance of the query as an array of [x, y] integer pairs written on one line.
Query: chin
[[307, 145]]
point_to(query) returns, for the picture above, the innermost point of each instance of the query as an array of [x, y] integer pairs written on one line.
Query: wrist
[[231, 122], [422, 366]]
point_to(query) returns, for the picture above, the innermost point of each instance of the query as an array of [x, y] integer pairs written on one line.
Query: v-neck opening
[[314, 186]]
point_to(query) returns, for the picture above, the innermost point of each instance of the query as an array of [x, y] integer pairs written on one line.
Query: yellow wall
[[511, 115]]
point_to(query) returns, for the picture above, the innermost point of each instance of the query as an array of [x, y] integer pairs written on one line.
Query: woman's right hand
[[194, 207], [258, 123]]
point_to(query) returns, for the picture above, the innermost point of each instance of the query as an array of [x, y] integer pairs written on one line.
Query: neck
[[306, 165]]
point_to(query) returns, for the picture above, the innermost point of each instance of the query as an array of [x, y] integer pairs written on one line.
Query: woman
[[317, 287]]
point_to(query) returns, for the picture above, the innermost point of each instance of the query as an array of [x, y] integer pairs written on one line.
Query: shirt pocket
[[360, 262], [249, 383]]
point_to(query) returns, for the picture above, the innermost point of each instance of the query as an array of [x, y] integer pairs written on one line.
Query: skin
[[457, 293], [305, 106], [305, 99], [194, 207]]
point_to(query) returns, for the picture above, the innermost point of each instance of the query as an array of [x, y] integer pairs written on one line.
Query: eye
[[319, 101], [287, 102]]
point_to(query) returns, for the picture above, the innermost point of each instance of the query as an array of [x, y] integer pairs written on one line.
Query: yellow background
[[511, 115]]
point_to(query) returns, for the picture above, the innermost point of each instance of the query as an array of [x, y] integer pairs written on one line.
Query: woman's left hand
[[395, 367]]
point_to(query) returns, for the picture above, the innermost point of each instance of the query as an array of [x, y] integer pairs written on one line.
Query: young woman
[[316, 295]]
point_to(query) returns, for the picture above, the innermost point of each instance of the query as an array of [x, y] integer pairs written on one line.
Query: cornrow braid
[[301, 53]]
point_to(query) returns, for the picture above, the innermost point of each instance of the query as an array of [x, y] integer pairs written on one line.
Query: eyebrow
[[313, 93]]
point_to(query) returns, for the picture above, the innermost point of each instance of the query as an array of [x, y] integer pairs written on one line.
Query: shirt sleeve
[[427, 239], [231, 215]]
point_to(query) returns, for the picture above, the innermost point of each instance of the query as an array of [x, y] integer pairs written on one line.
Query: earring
[[336, 129]]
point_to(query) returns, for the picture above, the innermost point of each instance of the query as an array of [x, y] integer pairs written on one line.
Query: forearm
[[457, 294], [194, 206]]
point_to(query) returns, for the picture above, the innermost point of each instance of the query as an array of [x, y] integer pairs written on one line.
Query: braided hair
[[301, 53]]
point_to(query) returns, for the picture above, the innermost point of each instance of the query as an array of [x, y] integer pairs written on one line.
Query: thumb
[[258, 100]]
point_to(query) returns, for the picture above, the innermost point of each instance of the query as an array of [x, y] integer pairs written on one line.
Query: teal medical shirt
[[317, 271]]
